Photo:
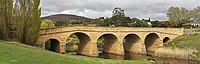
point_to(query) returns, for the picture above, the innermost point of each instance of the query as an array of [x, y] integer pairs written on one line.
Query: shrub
[[62, 23], [176, 53]]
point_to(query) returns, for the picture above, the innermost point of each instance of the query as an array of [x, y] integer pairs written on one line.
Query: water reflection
[[174, 61], [111, 56], [143, 57], [133, 56]]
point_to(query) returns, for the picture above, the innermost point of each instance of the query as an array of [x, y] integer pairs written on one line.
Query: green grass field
[[23, 54], [187, 41]]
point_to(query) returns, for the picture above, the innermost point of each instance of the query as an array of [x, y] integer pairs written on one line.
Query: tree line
[[20, 20], [180, 15], [118, 19]]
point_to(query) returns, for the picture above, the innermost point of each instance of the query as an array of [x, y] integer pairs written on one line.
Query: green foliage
[[69, 49], [120, 20], [100, 42], [162, 24], [27, 20], [76, 22], [5, 18], [47, 24], [195, 16], [106, 22], [61, 23], [72, 41], [140, 24], [47, 45], [123, 21], [180, 15], [156, 23], [187, 41], [23, 54]]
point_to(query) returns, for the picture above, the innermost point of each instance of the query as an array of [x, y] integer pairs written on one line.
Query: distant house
[[195, 24], [149, 23]]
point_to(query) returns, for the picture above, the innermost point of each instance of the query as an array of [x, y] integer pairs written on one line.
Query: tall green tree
[[6, 7], [27, 20], [178, 15]]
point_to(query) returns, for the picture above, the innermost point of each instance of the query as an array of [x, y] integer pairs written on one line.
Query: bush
[[47, 24], [106, 22], [176, 53], [62, 23], [140, 24]]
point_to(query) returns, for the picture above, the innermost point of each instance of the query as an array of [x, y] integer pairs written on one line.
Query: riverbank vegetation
[[187, 42], [176, 53], [12, 53]]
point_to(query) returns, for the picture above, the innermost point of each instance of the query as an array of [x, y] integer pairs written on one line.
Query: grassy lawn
[[23, 54], [187, 41]]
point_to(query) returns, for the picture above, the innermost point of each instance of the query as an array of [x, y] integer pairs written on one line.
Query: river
[[143, 57]]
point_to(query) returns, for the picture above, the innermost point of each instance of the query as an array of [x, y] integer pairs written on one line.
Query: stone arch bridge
[[117, 39]]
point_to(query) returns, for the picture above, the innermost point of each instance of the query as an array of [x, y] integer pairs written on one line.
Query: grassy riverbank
[[187, 42], [23, 54]]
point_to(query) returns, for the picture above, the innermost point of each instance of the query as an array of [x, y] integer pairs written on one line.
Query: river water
[[143, 57]]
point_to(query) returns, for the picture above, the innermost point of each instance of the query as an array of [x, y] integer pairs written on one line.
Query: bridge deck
[[174, 31]]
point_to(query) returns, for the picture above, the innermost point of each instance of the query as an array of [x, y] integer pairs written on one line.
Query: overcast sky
[[154, 9]]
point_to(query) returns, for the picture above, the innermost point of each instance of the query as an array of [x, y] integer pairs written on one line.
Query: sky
[[154, 9]]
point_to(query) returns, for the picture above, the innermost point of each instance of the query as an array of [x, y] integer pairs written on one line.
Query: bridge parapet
[[175, 31]]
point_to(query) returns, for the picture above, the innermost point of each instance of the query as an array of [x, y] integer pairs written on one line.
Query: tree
[[118, 11], [156, 23], [166, 24], [5, 18], [105, 22], [178, 15], [61, 23], [27, 20], [196, 15], [140, 23], [47, 24], [119, 18]]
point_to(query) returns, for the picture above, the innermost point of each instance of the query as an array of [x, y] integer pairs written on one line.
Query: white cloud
[[155, 9]]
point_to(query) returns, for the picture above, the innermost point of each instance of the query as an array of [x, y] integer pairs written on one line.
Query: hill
[[23, 54], [65, 17]]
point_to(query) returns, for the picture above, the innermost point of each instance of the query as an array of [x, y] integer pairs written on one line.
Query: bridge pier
[[88, 49], [138, 47], [62, 48], [114, 48]]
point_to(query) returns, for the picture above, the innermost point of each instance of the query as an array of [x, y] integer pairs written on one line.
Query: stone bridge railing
[[174, 31]]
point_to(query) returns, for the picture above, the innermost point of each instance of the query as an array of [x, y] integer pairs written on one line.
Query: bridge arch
[[53, 44], [83, 43], [111, 44], [166, 40], [152, 42], [132, 43]]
